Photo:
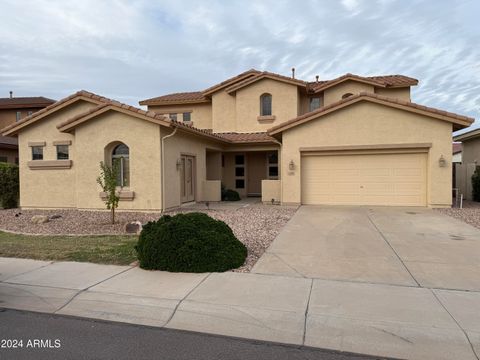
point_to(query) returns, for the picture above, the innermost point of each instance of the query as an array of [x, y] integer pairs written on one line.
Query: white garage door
[[374, 179]]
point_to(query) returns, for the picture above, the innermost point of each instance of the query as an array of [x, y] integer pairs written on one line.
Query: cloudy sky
[[131, 50]]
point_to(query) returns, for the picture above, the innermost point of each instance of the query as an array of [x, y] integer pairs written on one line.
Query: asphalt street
[[46, 336]]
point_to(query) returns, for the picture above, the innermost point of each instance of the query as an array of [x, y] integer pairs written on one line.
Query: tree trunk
[[113, 215]]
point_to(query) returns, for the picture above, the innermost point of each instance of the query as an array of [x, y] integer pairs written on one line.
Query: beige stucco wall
[[201, 114], [142, 138], [371, 124], [223, 112], [397, 93], [336, 92], [271, 189], [284, 104], [214, 165], [184, 144], [49, 188], [212, 190], [471, 151]]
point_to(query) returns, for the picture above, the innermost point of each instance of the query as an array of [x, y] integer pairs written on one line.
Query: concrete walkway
[[385, 320]]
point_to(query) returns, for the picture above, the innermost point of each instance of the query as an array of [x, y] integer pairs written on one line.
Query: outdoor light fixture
[[179, 163], [442, 162], [291, 165]]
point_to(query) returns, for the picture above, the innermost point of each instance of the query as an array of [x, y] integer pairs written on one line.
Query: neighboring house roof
[[25, 102], [459, 120], [456, 148], [177, 98], [251, 76], [390, 81], [7, 142], [472, 134]]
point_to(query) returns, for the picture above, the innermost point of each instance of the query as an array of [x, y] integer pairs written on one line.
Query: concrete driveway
[[389, 245]]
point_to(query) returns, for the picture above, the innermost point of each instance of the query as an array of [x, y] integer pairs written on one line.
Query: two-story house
[[13, 109], [351, 140], [470, 161]]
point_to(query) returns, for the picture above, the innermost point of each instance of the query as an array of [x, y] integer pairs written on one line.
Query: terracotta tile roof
[[231, 80], [456, 148], [25, 102], [175, 98], [256, 137], [370, 97], [44, 111], [263, 75], [383, 81]]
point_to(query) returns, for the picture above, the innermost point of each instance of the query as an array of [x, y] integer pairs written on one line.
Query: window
[[3, 159], [62, 152], [272, 164], [37, 152], [30, 113], [18, 115], [121, 156], [314, 103], [240, 171], [187, 117], [173, 117], [344, 96], [266, 105]]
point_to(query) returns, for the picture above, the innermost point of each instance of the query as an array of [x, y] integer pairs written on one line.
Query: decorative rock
[[133, 227], [40, 219], [53, 217]]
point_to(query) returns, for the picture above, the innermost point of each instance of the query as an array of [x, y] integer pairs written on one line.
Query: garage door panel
[[383, 179]]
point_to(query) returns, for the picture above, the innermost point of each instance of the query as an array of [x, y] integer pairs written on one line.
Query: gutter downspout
[[163, 165]]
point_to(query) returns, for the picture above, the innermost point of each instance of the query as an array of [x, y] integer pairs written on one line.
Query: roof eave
[[173, 102]]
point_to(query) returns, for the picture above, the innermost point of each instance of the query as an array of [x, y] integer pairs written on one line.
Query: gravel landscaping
[[469, 214], [255, 225]]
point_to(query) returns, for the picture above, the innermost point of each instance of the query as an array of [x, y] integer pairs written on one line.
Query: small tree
[[108, 181], [9, 185], [476, 184]]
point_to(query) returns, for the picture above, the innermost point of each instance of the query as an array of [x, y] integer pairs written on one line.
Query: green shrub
[[192, 242], [9, 185], [230, 195], [476, 184]]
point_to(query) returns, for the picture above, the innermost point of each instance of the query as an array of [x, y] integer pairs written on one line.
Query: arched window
[[121, 157], [344, 96], [265, 105]]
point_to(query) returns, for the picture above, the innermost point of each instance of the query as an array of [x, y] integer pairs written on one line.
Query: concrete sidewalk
[[377, 319]]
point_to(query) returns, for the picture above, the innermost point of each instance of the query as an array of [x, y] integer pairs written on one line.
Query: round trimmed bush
[[231, 195], [191, 242]]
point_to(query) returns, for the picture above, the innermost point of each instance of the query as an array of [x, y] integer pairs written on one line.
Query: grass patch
[[105, 249]]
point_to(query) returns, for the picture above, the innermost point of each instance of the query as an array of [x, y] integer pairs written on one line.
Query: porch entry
[[187, 178]]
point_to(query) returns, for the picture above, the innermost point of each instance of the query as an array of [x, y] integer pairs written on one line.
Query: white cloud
[[136, 49]]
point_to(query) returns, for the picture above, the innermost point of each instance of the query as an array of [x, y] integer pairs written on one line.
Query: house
[[456, 152], [352, 140], [13, 109], [470, 161]]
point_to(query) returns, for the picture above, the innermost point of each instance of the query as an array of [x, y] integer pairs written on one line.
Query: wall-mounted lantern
[[442, 162], [291, 165], [179, 163]]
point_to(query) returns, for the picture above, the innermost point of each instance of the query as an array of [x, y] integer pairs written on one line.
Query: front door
[[187, 178], [256, 172]]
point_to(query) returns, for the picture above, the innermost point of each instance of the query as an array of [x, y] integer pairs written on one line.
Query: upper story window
[[62, 152], [173, 117], [187, 117], [314, 103], [18, 115], [344, 96], [266, 105], [37, 152], [30, 113], [121, 156]]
